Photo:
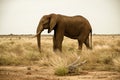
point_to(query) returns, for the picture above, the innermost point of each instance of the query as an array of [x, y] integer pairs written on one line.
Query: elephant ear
[[53, 22]]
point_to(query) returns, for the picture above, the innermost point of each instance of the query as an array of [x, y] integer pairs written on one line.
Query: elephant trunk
[[39, 30]]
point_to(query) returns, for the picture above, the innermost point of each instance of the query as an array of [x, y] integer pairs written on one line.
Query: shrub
[[61, 71]]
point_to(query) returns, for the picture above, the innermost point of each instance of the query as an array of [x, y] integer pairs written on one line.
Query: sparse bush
[[32, 56], [61, 71], [116, 62], [107, 60], [19, 37], [9, 60]]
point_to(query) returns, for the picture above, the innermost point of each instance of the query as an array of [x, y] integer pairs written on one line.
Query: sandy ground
[[45, 73]]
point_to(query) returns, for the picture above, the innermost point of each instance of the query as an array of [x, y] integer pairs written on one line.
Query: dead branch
[[72, 64], [74, 67], [79, 64]]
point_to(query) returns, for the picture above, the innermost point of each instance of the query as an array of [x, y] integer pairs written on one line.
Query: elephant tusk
[[36, 34]]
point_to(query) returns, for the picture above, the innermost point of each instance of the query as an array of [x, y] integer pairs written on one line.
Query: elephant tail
[[90, 39]]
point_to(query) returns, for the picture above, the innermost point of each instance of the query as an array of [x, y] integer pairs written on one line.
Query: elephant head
[[46, 22]]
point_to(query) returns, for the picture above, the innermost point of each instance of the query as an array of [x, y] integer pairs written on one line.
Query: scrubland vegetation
[[22, 50]]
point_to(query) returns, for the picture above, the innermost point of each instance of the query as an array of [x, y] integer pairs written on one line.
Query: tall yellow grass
[[22, 50]]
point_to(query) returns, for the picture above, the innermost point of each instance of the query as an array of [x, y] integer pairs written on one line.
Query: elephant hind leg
[[80, 43], [81, 40]]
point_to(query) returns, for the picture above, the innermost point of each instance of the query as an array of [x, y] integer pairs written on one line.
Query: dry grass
[[17, 50]]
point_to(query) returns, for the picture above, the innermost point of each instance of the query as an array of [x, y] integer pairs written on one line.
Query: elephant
[[74, 27]]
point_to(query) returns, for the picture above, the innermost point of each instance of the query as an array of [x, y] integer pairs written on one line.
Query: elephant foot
[[57, 50]]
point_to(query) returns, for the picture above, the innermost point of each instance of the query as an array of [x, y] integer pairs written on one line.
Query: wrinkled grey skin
[[75, 27]]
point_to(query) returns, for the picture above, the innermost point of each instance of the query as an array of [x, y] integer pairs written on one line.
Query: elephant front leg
[[57, 42], [54, 44]]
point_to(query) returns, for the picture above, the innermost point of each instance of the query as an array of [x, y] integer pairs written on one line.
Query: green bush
[[61, 71]]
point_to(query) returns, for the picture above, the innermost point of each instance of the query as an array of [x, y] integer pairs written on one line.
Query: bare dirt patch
[[46, 73]]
